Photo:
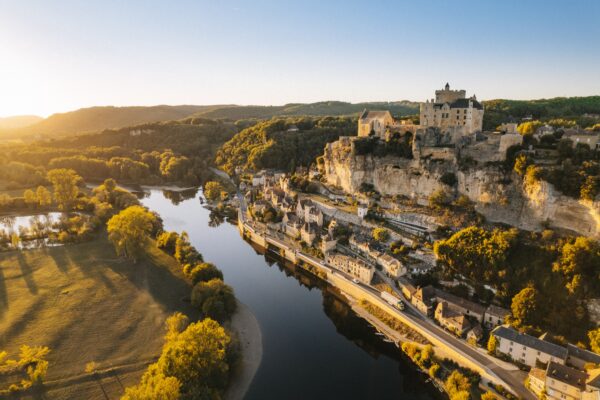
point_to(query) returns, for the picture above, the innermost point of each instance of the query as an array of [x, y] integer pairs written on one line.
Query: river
[[314, 345]]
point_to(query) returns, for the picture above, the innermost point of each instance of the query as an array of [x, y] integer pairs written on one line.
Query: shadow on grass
[[3, 294], [27, 273]]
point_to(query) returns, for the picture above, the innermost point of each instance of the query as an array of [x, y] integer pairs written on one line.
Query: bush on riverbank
[[393, 322]]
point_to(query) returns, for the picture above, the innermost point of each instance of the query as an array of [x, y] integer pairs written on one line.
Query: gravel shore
[[245, 324]]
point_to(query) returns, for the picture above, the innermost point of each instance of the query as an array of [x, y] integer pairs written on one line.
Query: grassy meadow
[[88, 305]]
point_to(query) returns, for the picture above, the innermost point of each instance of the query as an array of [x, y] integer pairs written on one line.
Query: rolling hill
[[19, 121], [95, 119]]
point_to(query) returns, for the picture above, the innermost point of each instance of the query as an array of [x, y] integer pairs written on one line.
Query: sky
[[61, 55]]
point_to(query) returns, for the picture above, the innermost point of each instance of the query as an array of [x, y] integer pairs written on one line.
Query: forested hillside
[[177, 151], [498, 111], [334, 108], [271, 144]]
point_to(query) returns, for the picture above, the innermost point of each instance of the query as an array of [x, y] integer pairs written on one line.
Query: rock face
[[498, 197]]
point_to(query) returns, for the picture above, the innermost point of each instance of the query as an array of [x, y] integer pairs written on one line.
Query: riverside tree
[[129, 230], [43, 195], [65, 183], [212, 190], [197, 357]]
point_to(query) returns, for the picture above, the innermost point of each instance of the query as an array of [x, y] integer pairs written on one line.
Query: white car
[[355, 280]]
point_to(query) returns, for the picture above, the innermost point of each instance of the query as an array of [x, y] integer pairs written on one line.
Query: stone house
[[494, 316], [592, 139], [309, 212], [391, 266], [563, 382], [537, 381], [353, 266], [461, 305], [291, 225], [408, 290], [328, 243], [451, 319], [423, 299], [309, 232], [527, 349], [475, 334], [374, 121]]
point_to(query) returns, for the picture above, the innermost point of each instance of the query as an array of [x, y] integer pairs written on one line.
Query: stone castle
[[451, 112]]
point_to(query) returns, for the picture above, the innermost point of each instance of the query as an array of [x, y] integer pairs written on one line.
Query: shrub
[[221, 295], [204, 272]]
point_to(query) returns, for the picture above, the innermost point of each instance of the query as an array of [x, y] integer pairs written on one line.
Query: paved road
[[513, 378]]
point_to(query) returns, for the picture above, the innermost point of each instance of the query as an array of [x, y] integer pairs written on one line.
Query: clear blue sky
[[61, 55]]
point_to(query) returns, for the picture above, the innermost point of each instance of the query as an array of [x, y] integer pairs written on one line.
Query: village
[[389, 250]]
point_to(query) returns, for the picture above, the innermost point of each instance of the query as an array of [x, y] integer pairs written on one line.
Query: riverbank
[[245, 324]]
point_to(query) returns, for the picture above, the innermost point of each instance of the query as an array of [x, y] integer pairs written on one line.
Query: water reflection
[[177, 196]]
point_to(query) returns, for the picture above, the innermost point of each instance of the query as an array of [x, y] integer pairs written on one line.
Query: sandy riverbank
[[248, 329]]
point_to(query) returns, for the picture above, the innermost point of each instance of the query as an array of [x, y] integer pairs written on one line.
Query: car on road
[[355, 281]]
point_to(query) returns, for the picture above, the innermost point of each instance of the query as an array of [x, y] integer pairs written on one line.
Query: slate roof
[[464, 103], [458, 301], [530, 341], [370, 115], [497, 311], [582, 354], [568, 375]]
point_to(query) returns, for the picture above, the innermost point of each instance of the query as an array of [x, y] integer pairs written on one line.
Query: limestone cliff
[[498, 197]]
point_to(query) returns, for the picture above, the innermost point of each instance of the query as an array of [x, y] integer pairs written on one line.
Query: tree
[[488, 396], [578, 263], [221, 294], [439, 199], [197, 357], [175, 324], [167, 242], [477, 253], [525, 307], [594, 336], [492, 344], [129, 230], [521, 164], [154, 385], [204, 272], [528, 128], [212, 190], [65, 183], [381, 234], [43, 195], [30, 198], [458, 386], [589, 189]]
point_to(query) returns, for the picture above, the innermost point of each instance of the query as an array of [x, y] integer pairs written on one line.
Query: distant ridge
[[19, 121], [94, 119], [97, 119]]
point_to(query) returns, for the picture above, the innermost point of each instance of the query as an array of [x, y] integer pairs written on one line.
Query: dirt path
[[247, 327]]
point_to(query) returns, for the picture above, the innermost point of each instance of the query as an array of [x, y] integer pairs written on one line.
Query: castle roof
[[464, 103]]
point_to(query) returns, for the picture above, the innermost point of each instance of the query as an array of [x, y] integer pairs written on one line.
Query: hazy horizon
[[68, 55]]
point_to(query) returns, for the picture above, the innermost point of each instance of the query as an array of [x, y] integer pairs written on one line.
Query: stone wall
[[498, 197]]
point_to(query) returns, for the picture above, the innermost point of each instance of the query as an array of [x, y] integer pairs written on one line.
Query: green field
[[88, 305]]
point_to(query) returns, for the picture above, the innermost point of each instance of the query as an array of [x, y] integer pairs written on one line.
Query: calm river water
[[314, 346]]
